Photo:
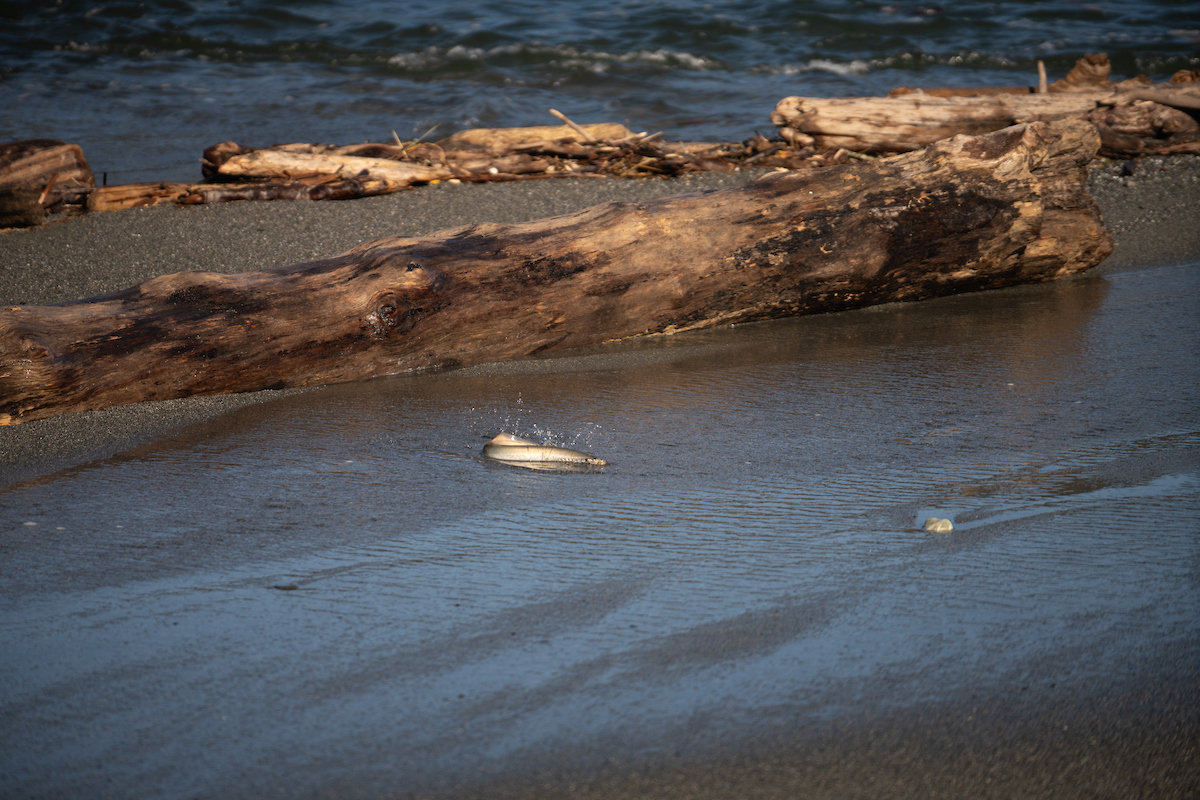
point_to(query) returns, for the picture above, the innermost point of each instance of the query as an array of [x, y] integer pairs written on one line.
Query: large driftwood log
[[1129, 125], [49, 165], [966, 214], [1135, 117]]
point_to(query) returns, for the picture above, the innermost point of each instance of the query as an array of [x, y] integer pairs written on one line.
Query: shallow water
[[750, 562], [145, 87]]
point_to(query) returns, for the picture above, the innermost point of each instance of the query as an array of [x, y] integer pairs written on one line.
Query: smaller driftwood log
[[1134, 117], [968, 213], [605, 149]]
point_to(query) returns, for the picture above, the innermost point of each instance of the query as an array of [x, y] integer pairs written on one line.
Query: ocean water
[[145, 87]]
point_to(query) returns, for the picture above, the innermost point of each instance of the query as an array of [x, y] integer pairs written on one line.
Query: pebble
[[937, 525]]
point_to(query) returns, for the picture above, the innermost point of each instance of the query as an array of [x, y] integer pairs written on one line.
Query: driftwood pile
[[968, 213], [329, 172], [981, 203]]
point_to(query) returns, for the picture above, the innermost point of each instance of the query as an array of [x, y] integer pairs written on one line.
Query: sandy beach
[[1149, 214], [1122, 720]]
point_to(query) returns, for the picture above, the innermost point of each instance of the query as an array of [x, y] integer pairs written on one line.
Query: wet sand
[[1120, 721]]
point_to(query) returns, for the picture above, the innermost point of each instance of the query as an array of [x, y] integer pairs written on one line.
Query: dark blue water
[[145, 87]]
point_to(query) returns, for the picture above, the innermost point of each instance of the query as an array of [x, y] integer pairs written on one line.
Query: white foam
[[596, 60], [856, 67]]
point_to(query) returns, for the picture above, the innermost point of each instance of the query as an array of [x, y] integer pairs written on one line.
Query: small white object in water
[[937, 525], [523, 452]]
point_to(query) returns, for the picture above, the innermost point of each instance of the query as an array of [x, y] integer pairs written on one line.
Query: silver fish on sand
[[525, 453]]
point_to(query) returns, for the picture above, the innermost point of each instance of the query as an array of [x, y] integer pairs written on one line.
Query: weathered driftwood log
[[490, 154], [498, 141], [280, 163], [911, 121], [482, 152], [966, 214], [1134, 117]]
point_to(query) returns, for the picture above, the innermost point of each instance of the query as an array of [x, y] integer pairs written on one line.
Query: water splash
[[523, 421]]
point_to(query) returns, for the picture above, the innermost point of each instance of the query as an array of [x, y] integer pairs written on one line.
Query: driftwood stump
[[37, 174], [968, 213]]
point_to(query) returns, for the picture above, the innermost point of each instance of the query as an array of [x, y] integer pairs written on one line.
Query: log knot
[[391, 314]]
